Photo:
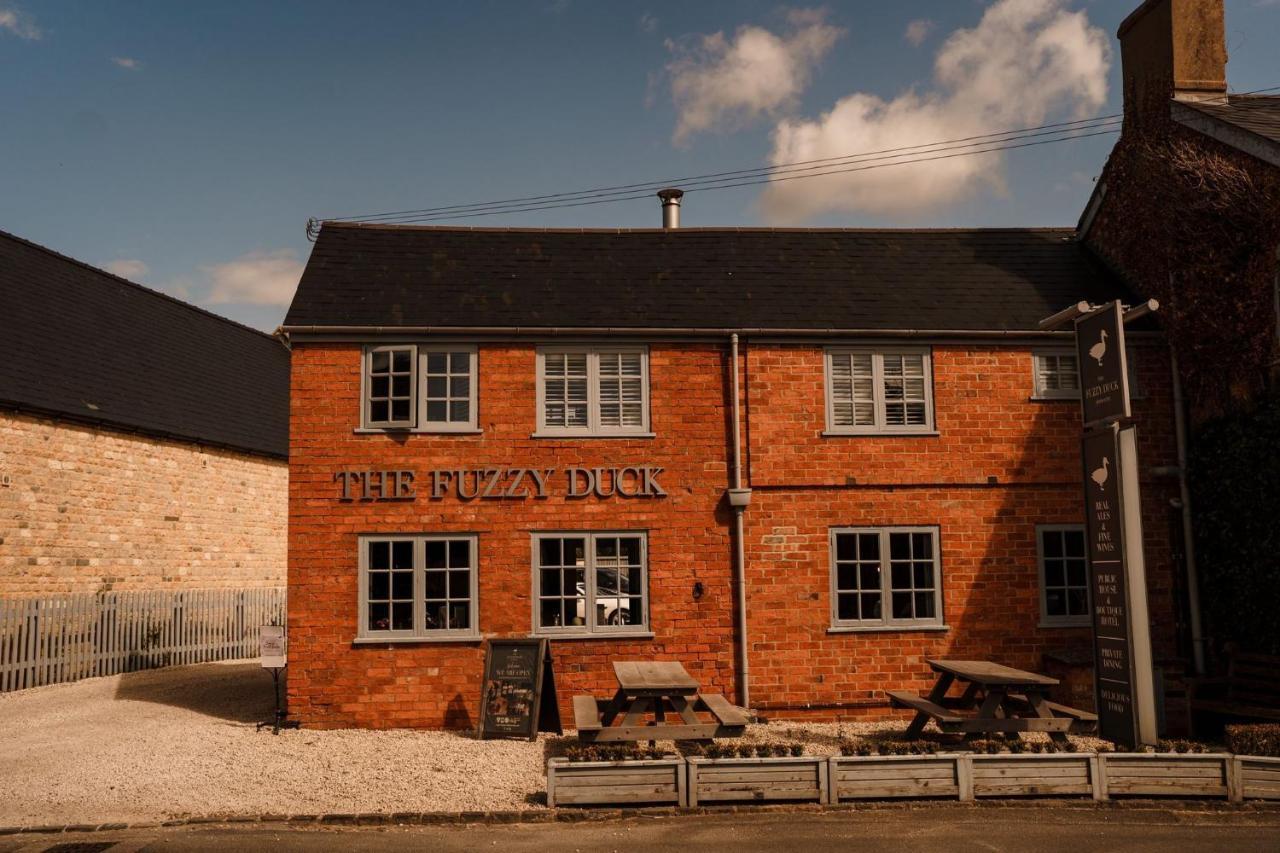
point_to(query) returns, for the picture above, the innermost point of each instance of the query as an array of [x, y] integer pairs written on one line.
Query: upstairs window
[[593, 391], [885, 578], [420, 388], [879, 391], [1057, 375]]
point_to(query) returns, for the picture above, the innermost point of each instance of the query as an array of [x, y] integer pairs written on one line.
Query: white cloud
[[256, 278], [648, 23], [1025, 60], [918, 30], [127, 268], [722, 83], [127, 62], [19, 23]]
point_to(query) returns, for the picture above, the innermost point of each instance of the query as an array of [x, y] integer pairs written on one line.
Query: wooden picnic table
[[997, 699], [656, 688]]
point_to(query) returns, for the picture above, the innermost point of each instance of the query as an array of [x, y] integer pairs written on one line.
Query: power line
[[755, 182], [665, 182], [903, 155]]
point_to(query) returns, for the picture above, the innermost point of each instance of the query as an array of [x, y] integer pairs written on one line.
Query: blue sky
[[187, 143]]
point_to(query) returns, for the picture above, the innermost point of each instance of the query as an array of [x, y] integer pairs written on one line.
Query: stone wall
[[86, 508]]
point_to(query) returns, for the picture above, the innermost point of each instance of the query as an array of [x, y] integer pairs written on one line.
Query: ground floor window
[[418, 587], [885, 577], [1064, 575], [590, 583]]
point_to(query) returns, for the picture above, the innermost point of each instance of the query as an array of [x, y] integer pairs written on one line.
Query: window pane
[[379, 586], [846, 546], [847, 607], [401, 585], [379, 411], [551, 582], [924, 605], [400, 410], [923, 578], [437, 386], [379, 617], [922, 545], [437, 411], [1073, 543], [381, 362], [1055, 602], [379, 556], [900, 546], [459, 616], [460, 386], [871, 606], [902, 605], [460, 584], [549, 552], [437, 362], [460, 362], [402, 616], [1054, 574], [1052, 543], [459, 553], [437, 615], [1076, 574], [549, 614], [436, 554], [435, 585], [846, 576], [379, 386], [1078, 602], [459, 411], [869, 576], [402, 555], [400, 361], [900, 575]]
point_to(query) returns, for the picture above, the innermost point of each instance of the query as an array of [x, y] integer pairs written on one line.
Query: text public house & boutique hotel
[[513, 433]]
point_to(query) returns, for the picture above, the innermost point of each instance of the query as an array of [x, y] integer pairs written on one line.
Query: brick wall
[[988, 427], [85, 509]]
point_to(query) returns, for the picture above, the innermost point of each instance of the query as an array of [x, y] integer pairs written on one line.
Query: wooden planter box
[[879, 777], [596, 783], [760, 780], [1035, 775], [1258, 778], [1166, 775]]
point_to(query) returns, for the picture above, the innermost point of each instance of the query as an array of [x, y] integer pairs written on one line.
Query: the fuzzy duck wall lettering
[[1100, 475], [1100, 348]]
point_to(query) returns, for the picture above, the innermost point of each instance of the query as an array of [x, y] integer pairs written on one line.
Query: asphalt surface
[[902, 830]]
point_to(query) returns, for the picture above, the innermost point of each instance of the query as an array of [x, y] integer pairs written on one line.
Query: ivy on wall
[[1234, 471]]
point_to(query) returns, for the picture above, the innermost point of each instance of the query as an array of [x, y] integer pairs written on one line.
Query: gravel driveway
[[181, 742]]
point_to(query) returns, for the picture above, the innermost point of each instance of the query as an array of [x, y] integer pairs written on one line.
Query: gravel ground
[[182, 742]]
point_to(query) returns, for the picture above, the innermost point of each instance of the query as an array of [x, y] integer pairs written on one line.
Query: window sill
[[885, 629], [1041, 398], [415, 431], [630, 635], [932, 433], [593, 435], [387, 641], [1072, 625]]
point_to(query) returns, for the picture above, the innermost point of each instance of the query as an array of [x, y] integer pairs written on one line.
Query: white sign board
[[271, 642]]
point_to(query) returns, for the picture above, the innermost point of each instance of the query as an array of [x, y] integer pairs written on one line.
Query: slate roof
[[80, 343], [366, 276], [1257, 114]]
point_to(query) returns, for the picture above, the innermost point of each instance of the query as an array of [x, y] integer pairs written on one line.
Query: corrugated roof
[[81, 343], [968, 279]]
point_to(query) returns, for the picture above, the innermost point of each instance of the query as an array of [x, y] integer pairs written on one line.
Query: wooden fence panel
[[52, 640]]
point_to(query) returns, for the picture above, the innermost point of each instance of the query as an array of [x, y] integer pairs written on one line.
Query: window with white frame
[[1056, 374], [1064, 575], [425, 388], [879, 391], [590, 583], [418, 587], [593, 390], [886, 577]]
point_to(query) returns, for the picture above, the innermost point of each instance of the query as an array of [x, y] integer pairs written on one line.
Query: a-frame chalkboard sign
[[518, 697]]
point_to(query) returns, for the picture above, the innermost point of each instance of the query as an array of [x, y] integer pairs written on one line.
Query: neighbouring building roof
[[1248, 122], [81, 343], [376, 276]]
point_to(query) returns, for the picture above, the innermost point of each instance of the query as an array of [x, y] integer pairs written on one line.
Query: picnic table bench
[[655, 688], [996, 700]]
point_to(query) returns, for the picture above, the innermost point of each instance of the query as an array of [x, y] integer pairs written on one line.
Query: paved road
[[901, 830]]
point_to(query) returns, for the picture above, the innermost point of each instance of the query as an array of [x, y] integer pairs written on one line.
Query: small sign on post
[[271, 644]]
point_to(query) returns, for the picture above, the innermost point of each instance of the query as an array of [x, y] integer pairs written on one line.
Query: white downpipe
[[1189, 545], [740, 551]]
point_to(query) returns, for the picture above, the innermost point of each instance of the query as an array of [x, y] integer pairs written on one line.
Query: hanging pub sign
[[518, 699], [1113, 645], [1104, 373]]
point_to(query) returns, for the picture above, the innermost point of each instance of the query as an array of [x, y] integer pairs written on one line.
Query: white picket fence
[[51, 640]]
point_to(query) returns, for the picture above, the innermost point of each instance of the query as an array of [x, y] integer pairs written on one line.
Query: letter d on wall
[[583, 475]]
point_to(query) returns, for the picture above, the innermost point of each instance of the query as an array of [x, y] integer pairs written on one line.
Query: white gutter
[[650, 331]]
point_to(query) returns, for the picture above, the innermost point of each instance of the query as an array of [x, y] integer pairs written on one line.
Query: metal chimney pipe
[[671, 206]]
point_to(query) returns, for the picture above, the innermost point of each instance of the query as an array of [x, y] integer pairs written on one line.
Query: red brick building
[[503, 432]]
